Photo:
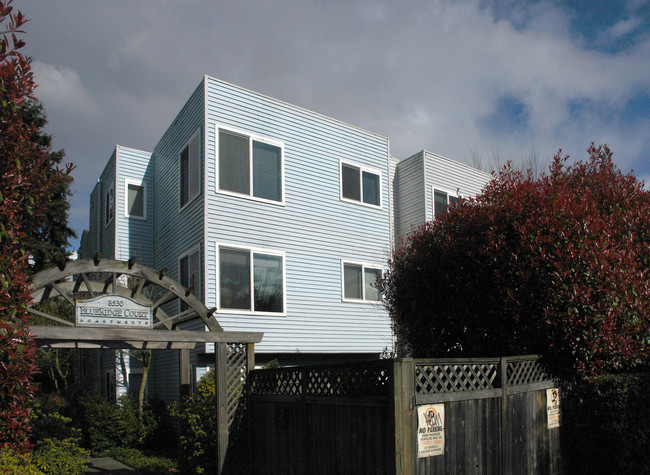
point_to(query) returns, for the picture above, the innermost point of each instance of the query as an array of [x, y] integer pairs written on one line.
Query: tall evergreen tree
[[48, 240]]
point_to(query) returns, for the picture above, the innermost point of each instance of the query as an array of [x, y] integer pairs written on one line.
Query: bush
[[198, 418], [606, 425], [60, 456], [109, 425], [14, 463], [48, 422], [557, 266], [141, 462]]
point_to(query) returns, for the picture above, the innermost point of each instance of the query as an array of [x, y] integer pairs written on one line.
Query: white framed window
[[250, 280], [135, 204], [249, 165], [442, 200], [360, 282], [360, 184], [190, 170], [109, 205], [189, 273]]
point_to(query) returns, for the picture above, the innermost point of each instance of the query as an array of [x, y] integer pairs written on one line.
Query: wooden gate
[[362, 418]]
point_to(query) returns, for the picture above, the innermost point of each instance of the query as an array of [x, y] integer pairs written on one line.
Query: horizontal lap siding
[[175, 231], [134, 235], [409, 200], [450, 176], [315, 228], [107, 231]]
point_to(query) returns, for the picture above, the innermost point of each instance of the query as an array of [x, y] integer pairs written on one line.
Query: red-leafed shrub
[[558, 265], [24, 194]]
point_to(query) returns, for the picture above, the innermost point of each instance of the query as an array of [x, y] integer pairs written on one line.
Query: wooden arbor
[[93, 278]]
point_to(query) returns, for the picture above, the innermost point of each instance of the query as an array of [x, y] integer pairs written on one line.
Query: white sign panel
[[553, 407], [112, 311], [431, 430]]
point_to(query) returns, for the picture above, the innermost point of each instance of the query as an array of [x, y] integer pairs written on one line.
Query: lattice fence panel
[[276, 382], [349, 381], [525, 372], [448, 378], [236, 362], [236, 373], [345, 381]]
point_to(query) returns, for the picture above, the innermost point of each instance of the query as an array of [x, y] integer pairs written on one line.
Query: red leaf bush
[[557, 265]]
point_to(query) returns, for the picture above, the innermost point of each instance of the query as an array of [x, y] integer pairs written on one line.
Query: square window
[[360, 282], [360, 185], [251, 280], [442, 201], [190, 170], [250, 166], [135, 200]]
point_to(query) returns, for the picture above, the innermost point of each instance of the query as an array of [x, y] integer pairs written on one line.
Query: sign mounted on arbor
[[112, 311]]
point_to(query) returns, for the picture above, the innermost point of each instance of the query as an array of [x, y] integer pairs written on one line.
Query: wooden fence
[[362, 418]]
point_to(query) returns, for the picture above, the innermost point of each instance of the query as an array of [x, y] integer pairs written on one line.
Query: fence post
[[221, 395], [403, 395], [503, 370]]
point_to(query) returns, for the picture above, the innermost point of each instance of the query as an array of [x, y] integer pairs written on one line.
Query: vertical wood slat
[[221, 395]]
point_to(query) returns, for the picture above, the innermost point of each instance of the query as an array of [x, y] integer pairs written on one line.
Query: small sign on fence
[[553, 407], [431, 430]]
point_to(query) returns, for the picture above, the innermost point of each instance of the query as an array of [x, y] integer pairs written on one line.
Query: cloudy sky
[[462, 78]]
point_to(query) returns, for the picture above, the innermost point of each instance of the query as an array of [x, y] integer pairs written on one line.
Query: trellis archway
[[92, 279]]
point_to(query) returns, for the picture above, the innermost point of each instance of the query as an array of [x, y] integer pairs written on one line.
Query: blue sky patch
[[510, 115]]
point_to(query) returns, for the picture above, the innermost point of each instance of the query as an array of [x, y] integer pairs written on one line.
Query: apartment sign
[[112, 311], [431, 430]]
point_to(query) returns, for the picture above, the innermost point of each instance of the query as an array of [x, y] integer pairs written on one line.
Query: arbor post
[[221, 395]]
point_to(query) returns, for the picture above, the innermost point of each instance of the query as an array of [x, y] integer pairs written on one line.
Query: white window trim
[[251, 137], [190, 199], [188, 253], [111, 190], [128, 182], [362, 169], [364, 266], [433, 197], [251, 250]]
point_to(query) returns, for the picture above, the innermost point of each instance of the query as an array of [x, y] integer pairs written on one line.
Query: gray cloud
[[427, 74]]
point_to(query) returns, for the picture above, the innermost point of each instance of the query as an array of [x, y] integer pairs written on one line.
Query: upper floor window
[[441, 201], [360, 184], [250, 165], [361, 282], [190, 173], [189, 267], [250, 280], [109, 205], [136, 200]]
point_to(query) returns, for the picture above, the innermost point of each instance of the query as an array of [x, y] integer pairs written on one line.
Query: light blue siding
[[315, 229], [175, 230], [410, 209], [134, 235], [106, 228]]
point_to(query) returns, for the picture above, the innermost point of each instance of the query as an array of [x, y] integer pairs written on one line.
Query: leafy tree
[[24, 193], [557, 265]]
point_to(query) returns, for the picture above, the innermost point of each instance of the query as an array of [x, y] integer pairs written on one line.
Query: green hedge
[[606, 425]]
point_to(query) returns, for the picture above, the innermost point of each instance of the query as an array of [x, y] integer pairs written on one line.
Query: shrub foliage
[[557, 265]]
